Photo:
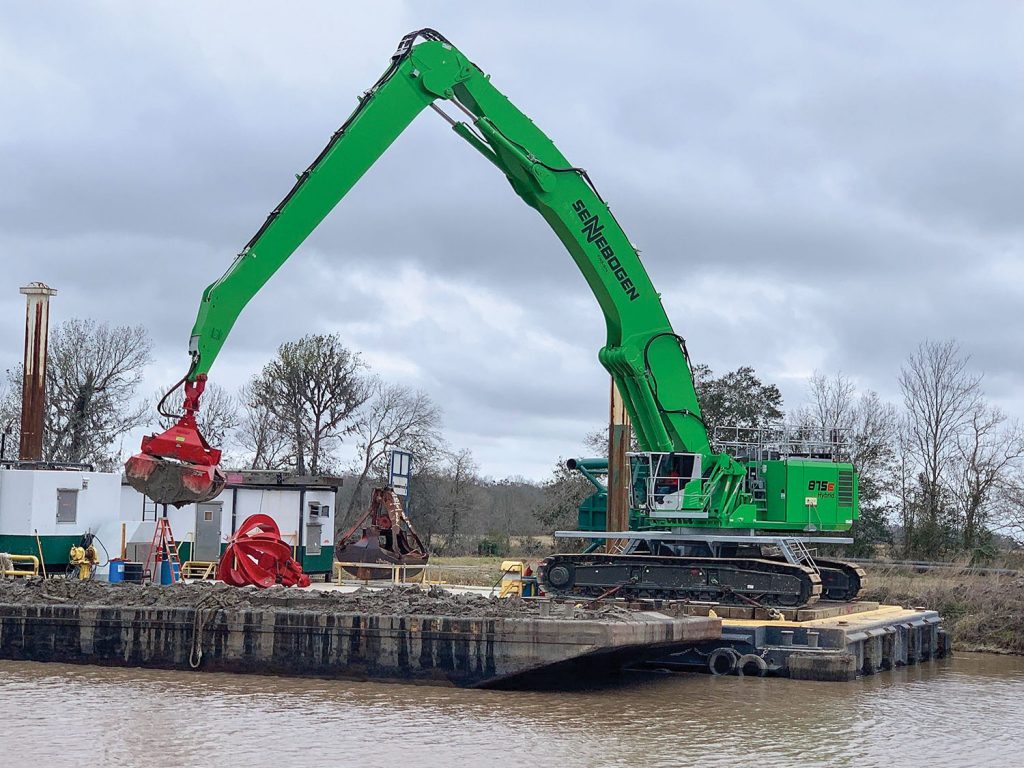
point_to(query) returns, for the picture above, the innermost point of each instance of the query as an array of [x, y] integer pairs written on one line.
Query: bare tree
[[940, 394], [1010, 515], [868, 427], [260, 433], [832, 401], [595, 442], [10, 415], [873, 442], [93, 372], [394, 416], [988, 451], [909, 487], [874, 425], [314, 386], [461, 491]]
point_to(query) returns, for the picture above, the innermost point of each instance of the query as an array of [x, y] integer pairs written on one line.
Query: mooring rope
[[206, 608]]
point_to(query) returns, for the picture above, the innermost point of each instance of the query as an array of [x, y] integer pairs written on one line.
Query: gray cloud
[[811, 186]]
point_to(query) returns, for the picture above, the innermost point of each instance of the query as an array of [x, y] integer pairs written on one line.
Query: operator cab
[[659, 483]]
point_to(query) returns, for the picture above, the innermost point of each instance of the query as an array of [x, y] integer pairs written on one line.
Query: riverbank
[[982, 612]]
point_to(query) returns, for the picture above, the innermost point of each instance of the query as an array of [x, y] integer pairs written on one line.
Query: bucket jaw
[[178, 466]]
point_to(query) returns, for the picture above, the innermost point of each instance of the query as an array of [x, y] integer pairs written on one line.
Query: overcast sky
[[813, 186]]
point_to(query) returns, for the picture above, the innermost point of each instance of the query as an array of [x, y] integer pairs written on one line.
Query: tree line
[[314, 397], [941, 470]]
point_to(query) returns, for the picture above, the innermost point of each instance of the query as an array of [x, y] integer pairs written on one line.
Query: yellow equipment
[[517, 580], [199, 570], [84, 556], [29, 565]]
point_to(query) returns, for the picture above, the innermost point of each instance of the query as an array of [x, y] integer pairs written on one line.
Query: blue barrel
[[165, 572], [116, 573]]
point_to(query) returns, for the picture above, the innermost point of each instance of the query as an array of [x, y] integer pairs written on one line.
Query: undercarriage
[[769, 571]]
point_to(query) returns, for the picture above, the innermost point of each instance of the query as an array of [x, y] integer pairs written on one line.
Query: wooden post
[[619, 430]]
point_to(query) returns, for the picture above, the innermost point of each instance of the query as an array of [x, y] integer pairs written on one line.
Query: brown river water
[[968, 711]]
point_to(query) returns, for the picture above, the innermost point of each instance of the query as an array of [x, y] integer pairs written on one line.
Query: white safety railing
[[783, 440]]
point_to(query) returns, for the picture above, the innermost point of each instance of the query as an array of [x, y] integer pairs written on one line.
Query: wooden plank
[[828, 610]]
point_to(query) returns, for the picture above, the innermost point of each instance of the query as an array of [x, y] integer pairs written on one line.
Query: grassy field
[[982, 612], [472, 570]]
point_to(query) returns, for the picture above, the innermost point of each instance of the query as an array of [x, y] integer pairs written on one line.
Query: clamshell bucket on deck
[[383, 535], [257, 556]]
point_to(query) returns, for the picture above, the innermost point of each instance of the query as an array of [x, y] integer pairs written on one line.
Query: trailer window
[[67, 506]]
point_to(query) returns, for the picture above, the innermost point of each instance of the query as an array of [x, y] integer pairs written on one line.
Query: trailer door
[[207, 543]]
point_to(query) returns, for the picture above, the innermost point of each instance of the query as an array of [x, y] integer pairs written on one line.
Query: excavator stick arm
[[643, 354]]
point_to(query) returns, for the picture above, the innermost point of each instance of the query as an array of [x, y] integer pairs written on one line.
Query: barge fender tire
[[751, 665], [722, 661]]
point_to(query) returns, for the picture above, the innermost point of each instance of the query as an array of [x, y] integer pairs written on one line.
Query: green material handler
[[695, 509]]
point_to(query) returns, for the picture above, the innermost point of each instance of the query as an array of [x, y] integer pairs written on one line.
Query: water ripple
[[959, 714]]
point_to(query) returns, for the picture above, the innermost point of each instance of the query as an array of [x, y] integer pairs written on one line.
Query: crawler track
[[737, 581], [841, 581]]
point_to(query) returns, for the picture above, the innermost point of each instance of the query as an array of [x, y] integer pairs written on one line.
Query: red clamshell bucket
[[257, 556], [178, 466]]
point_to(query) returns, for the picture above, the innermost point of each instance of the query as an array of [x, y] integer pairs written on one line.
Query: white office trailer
[[302, 507], [49, 509]]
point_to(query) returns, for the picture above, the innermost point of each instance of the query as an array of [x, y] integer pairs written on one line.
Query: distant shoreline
[[983, 613]]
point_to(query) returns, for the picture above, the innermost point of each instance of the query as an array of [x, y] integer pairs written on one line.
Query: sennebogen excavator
[[730, 526]]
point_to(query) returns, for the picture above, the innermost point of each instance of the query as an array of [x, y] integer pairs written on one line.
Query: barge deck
[[828, 641]]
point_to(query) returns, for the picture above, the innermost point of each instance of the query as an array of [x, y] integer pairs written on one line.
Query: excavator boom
[[647, 360], [680, 488]]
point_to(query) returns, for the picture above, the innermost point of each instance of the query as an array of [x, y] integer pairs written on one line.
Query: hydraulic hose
[[654, 380]]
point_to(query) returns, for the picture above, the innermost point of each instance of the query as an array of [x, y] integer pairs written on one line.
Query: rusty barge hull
[[463, 652]]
